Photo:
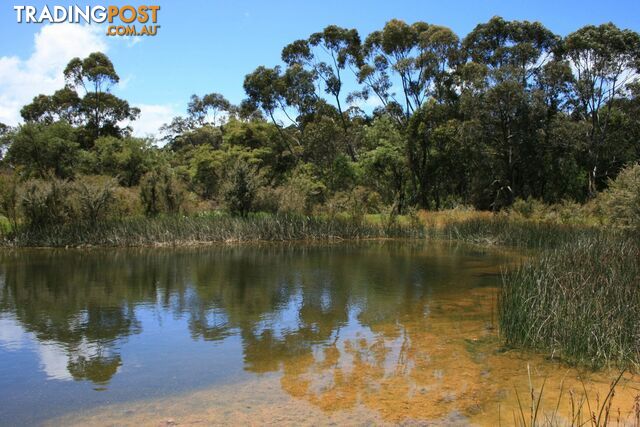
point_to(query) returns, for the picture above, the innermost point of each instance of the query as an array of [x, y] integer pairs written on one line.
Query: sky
[[206, 46]]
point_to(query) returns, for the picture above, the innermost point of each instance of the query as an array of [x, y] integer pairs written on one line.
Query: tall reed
[[182, 230], [579, 301]]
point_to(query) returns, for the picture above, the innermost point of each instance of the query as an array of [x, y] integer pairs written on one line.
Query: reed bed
[[579, 302], [183, 230], [502, 230]]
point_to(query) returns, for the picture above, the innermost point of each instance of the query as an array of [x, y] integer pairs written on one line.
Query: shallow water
[[367, 333]]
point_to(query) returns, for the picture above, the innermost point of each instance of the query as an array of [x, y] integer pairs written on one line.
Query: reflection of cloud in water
[[54, 360], [12, 336], [283, 321]]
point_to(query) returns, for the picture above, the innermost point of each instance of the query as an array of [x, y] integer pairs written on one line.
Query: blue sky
[[208, 46]]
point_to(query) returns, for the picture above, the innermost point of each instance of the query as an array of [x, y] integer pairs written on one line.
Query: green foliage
[[384, 164], [240, 189], [89, 200], [206, 169], [500, 120], [95, 197], [620, 203], [9, 198], [161, 192], [302, 191], [5, 226], [127, 159], [40, 149], [45, 203], [95, 108]]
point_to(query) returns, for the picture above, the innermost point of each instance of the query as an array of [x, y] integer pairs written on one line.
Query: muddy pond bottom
[[382, 332]]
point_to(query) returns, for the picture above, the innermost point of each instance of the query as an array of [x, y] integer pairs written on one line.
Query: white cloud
[[54, 46], [152, 116], [21, 79]]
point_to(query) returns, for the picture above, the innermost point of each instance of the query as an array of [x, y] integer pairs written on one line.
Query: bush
[[529, 208], [89, 200], [161, 192], [303, 191], [240, 189], [356, 203], [9, 198], [95, 198], [5, 226], [620, 203], [45, 203], [267, 199]]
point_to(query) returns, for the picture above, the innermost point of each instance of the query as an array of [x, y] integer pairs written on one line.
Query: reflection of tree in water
[[81, 302], [285, 302]]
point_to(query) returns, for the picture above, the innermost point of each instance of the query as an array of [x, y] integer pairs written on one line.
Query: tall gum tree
[[605, 60]]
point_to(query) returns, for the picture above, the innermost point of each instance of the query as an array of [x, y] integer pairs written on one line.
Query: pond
[[378, 332]]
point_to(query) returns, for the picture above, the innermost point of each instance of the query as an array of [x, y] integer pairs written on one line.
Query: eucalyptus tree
[[605, 60], [86, 100], [421, 55], [4, 140], [514, 56], [325, 56], [38, 150], [212, 106], [265, 88]]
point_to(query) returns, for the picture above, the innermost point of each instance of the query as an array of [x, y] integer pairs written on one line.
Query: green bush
[[5, 226], [303, 191], [161, 192], [46, 203], [9, 198], [620, 203], [94, 197], [240, 189]]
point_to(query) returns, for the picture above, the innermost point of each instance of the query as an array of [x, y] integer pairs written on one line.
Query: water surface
[[375, 332]]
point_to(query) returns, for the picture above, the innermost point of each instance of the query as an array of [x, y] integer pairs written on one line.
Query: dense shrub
[[46, 203], [240, 189], [95, 198], [9, 198], [303, 191], [620, 203], [161, 192]]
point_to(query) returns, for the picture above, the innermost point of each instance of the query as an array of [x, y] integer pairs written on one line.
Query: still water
[[367, 333]]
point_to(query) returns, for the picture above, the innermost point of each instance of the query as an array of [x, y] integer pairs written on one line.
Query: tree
[[40, 149], [265, 89], [421, 54], [384, 164], [161, 191], [341, 46], [605, 60], [127, 159], [85, 100], [4, 139], [212, 105], [510, 106]]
